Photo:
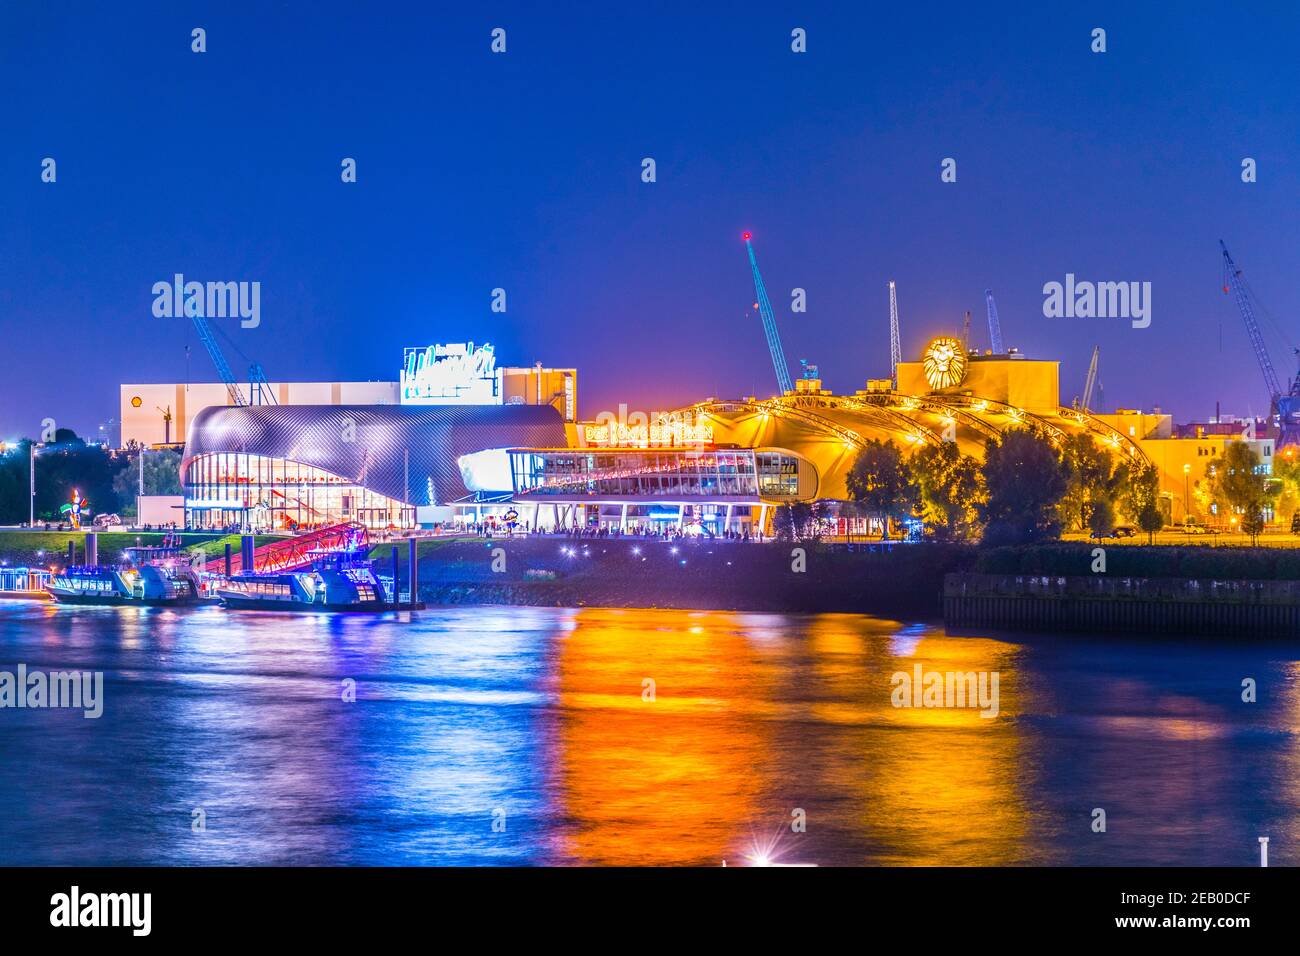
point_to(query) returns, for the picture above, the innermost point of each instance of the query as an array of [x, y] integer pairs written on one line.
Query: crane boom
[[1285, 405], [895, 346], [259, 389], [1091, 381], [1232, 283], [995, 327], [214, 352], [769, 325]]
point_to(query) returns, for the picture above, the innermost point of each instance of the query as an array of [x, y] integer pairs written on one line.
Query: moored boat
[[341, 579], [152, 577]]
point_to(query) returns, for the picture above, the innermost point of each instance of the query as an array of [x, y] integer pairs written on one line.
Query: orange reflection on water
[[754, 717], [662, 781]]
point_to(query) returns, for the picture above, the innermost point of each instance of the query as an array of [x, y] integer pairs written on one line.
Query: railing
[[294, 553]]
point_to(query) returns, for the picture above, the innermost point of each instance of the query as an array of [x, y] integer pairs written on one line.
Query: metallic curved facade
[[368, 444]]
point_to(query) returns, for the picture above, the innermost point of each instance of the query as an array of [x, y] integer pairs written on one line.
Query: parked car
[[1126, 531]]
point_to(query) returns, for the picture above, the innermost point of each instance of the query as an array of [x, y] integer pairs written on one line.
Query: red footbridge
[[294, 553]]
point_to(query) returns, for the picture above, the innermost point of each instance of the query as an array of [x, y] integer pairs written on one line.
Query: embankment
[[690, 575]]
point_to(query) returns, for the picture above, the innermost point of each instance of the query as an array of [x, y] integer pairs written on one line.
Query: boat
[[339, 579], [152, 576]]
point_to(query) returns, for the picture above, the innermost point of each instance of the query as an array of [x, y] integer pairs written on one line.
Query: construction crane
[[167, 423], [995, 327], [1286, 406], [1091, 382], [214, 351], [895, 345], [259, 389], [783, 381]]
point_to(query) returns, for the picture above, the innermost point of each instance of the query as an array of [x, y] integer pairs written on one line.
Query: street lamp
[[1187, 508]]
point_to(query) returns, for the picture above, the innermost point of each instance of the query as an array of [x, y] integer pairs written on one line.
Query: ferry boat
[[152, 576], [341, 579]]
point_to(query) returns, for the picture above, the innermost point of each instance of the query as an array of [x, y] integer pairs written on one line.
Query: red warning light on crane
[[745, 236]]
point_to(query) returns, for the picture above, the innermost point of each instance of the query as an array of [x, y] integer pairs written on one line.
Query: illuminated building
[[292, 467], [460, 374], [1184, 459], [698, 490], [725, 464], [464, 448]]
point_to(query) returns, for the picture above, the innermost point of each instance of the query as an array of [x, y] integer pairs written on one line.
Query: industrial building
[[153, 415]]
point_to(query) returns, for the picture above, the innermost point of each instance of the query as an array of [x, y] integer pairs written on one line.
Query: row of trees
[[1027, 488], [107, 478]]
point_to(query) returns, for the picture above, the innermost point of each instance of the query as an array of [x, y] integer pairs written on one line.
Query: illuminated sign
[[457, 374], [666, 432], [944, 362]]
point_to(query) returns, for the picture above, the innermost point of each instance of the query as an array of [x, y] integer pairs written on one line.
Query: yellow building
[[948, 395], [1184, 463]]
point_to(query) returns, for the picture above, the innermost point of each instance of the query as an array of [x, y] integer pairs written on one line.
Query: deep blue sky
[[523, 171]]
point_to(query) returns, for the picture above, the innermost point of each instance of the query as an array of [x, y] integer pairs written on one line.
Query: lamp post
[[139, 498], [31, 473], [1187, 505]]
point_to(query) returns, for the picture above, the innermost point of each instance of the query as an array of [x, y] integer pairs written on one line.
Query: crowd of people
[[491, 529]]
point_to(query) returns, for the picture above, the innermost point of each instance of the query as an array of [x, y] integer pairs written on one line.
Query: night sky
[[522, 171]]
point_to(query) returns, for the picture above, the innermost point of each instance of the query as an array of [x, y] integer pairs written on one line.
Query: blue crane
[[214, 351], [1286, 406], [769, 325], [259, 389], [995, 327]]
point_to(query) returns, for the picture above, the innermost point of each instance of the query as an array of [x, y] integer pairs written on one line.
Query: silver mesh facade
[[404, 453]]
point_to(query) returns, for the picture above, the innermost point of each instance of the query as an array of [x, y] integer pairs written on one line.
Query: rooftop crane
[[1091, 381], [259, 389], [1285, 406], [214, 351], [895, 345], [995, 327], [783, 381]]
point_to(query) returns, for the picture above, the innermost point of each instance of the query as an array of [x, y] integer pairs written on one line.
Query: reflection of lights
[[768, 853]]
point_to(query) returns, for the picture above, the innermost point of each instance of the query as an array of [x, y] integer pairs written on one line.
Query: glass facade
[[276, 494], [662, 474]]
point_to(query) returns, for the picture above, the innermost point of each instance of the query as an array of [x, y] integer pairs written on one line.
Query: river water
[[493, 735]]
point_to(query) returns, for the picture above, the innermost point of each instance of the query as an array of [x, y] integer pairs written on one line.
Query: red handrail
[[294, 553]]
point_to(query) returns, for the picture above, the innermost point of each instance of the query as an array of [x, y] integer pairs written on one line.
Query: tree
[[882, 484], [949, 487], [1091, 477], [1101, 516], [1236, 481], [1025, 481], [161, 476], [62, 466], [1141, 498]]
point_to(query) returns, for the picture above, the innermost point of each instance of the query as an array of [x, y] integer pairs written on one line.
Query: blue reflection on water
[[541, 714]]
